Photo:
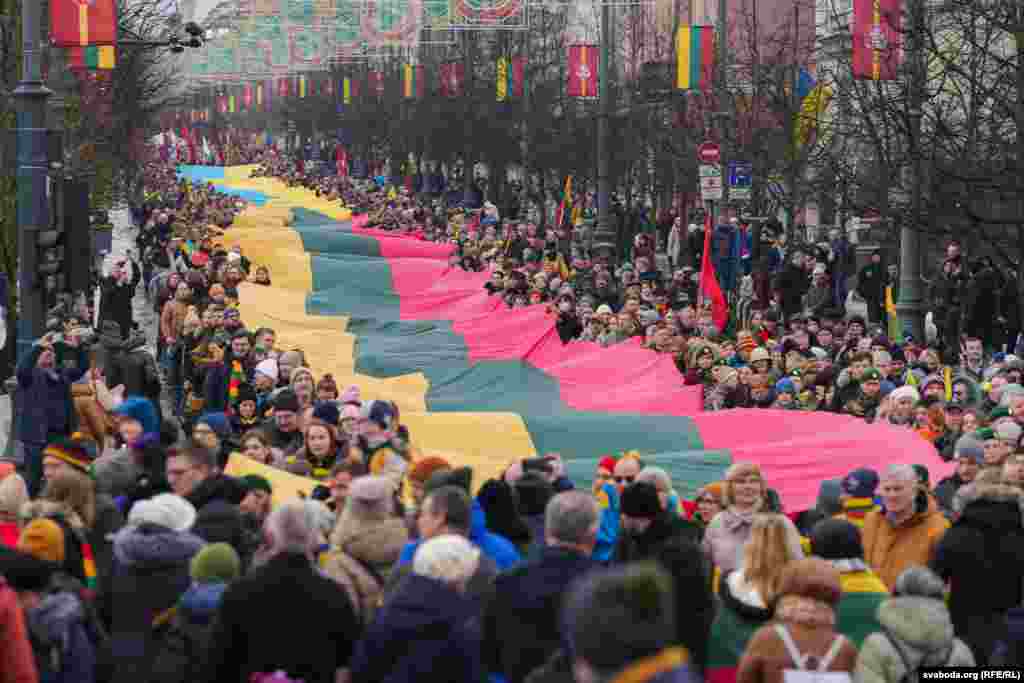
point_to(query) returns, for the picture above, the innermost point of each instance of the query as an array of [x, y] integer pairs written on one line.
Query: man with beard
[[647, 526]]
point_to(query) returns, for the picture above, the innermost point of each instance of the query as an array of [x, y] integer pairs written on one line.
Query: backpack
[[810, 669], [910, 675]]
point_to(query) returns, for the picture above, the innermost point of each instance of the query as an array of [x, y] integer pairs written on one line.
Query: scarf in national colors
[[236, 380], [89, 567]]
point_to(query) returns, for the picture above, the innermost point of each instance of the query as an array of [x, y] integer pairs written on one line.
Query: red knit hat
[[607, 463]]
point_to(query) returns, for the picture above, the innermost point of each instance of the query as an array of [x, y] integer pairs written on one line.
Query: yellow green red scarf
[[234, 381]]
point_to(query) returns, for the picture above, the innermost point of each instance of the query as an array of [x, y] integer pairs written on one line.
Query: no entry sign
[[709, 153]]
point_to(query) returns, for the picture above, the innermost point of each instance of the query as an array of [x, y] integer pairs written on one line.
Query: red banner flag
[[452, 78], [247, 97], [583, 65], [877, 43], [375, 84], [708, 287], [81, 23]]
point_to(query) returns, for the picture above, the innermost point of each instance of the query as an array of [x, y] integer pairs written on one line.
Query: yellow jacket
[[891, 549]]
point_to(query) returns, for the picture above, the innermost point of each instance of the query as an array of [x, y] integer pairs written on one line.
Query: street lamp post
[[604, 234], [33, 166], [909, 307]]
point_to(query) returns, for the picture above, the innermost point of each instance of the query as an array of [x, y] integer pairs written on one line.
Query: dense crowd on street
[[127, 553]]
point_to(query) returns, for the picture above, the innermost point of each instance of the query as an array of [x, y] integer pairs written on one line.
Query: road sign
[[709, 153], [711, 188], [741, 174], [710, 171]]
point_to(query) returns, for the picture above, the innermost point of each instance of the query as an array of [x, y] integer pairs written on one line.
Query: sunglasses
[[624, 480]]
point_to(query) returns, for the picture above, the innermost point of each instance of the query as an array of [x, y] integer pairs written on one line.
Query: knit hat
[[836, 539], [903, 392], [970, 446], [43, 539], [218, 422], [461, 477], [785, 386], [759, 354], [78, 452], [372, 496], [13, 494], [287, 401], [246, 392], [380, 413], [301, 372], [715, 489], [871, 375], [422, 470], [254, 482], [640, 499], [328, 412], [813, 578], [985, 434], [140, 410], [603, 309], [350, 395], [999, 413], [268, 368], [166, 510], [215, 563], [607, 464], [861, 483], [1008, 431]]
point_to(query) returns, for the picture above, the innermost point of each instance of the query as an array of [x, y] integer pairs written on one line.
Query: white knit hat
[[166, 510], [268, 368], [906, 391]]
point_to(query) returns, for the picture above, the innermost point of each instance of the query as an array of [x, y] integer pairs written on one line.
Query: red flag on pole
[[877, 44], [583, 64], [708, 288]]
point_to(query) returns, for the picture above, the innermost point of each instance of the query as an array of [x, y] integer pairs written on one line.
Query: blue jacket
[[426, 631], [608, 532], [45, 408], [499, 549]]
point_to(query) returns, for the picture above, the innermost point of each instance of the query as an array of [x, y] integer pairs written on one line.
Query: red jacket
[[17, 663], [9, 534]]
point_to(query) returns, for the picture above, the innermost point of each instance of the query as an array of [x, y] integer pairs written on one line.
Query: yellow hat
[[43, 539]]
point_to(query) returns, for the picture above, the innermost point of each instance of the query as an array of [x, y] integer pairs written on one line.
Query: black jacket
[[283, 616], [130, 364], [521, 623], [569, 327], [116, 300], [645, 546], [982, 557]]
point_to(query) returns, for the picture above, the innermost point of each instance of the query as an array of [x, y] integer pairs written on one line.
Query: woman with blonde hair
[[745, 494], [747, 595]]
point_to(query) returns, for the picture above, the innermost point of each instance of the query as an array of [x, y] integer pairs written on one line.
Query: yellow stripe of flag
[[502, 79], [83, 23], [585, 68], [683, 55]]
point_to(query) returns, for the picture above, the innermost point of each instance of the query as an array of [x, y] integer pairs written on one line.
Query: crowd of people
[[127, 553]]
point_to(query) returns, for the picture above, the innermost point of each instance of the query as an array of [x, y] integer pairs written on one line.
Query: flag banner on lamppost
[[413, 81], [81, 23], [92, 57], [695, 57], [452, 78], [583, 71], [511, 78], [877, 43]]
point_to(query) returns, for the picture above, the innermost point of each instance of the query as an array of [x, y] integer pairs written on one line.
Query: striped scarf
[[236, 380], [89, 567]]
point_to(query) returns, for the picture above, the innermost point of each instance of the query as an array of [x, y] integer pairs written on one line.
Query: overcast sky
[[204, 6]]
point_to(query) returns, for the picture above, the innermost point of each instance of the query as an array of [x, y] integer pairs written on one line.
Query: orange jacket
[[889, 550], [17, 663]]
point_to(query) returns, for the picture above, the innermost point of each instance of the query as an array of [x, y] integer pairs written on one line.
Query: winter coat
[[47, 409], [521, 625], [133, 366], [863, 592], [661, 532], [63, 641], [569, 327], [93, 419], [889, 550], [1009, 650], [946, 490], [869, 282], [116, 299], [185, 635], [376, 545], [172, 319], [741, 612], [496, 547], [150, 572], [767, 659], [725, 537], [922, 628], [427, 630], [791, 284], [107, 522], [282, 616], [17, 663], [363, 584], [982, 557]]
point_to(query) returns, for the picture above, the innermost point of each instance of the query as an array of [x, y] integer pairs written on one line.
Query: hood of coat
[[200, 602], [151, 547], [378, 544], [422, 603], [995, 507], [57, 613], [738, 596], [922, 624]]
